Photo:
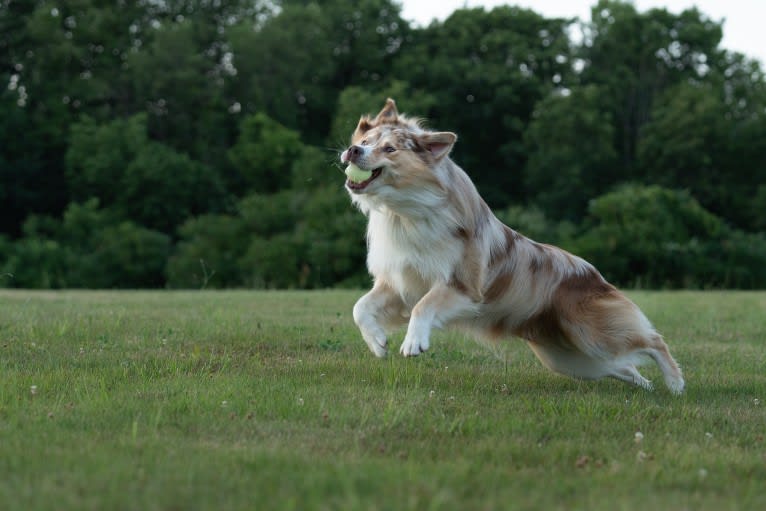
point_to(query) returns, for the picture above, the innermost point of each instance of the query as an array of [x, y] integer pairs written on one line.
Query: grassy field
[[270, 400]]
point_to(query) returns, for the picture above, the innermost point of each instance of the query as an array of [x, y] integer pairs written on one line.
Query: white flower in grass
[[638, 437], [432, 393], [708, 435], [33, 390], [224, 404], [300, 401], [756, 401]]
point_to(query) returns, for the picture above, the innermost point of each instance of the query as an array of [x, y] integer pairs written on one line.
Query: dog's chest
[[412, 256]]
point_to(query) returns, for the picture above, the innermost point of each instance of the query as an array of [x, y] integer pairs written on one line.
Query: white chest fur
[[411, 255]]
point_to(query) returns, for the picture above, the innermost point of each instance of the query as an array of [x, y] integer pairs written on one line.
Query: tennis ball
[[356, 174]]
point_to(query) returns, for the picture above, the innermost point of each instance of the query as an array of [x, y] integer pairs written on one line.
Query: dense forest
[[194, 143]]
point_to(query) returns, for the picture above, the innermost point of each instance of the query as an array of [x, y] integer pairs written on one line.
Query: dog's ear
[[364, 125], [389, 113], [439, 144]]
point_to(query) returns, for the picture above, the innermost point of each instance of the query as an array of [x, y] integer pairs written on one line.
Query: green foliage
[[291, 239], [294, 65], [88, 248], [163, 187], [98, 156], [208, 252], [187, 110], [486, 71], [276, 262], [655, 237], [314, 168], [570, 147], [210, 130], [125, 255], [334, 236], [139, 179], [634, 56], [36, 263], [264, 153], [533, 223]]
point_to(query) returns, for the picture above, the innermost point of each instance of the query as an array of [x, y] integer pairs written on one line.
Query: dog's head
[[400, 153]]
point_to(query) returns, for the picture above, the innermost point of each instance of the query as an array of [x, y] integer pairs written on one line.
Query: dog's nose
[[354, 152]]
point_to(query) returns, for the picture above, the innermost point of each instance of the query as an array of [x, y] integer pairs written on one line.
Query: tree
[[695, 141], [264, 154], [293, 66], [655, 237], [486, 71], [99, 154], [139, 179], [175, 78], [161, 188], [208, 252], [571, 153], [635, 56], [88, 247]]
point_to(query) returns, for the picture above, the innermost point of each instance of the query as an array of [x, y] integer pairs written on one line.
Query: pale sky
[[744, 29]]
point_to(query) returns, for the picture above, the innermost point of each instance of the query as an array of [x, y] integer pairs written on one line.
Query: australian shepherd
[[439, 258]]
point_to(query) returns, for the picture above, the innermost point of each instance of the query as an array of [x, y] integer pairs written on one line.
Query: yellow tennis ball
[[356, 174]]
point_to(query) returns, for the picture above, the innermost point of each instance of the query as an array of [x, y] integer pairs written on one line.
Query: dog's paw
[[412, 346], [376, 341], [675, 385]]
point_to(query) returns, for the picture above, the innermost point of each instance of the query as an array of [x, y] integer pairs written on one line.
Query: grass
[[270, 400]]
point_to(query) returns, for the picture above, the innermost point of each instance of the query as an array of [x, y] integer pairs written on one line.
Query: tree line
[[192, 143]]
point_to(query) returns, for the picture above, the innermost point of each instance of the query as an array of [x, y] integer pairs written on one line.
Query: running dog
[[440, 258]]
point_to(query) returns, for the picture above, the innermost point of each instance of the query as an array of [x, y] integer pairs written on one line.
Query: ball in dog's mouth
[[358, 179], [356, 174]]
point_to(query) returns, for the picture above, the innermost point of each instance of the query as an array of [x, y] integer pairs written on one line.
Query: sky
[[744, 28]]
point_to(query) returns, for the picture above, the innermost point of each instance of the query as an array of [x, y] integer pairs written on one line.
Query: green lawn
[[271, 400]]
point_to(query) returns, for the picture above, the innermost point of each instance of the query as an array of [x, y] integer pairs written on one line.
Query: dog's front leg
[[440, 305], [380, 308]]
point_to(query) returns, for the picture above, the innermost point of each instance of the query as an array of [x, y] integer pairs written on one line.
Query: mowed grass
[[271, 400]]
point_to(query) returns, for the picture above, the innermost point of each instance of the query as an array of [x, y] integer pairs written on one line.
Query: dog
[[440, 258]]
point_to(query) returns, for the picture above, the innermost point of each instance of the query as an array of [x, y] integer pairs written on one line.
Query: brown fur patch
[[500, 254], [458, 285], [590, 284], [543, 328], [498, 287], [462, 233], [541, 263]]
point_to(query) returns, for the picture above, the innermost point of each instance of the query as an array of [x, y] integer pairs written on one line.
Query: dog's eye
[[389, 149], [364, 142]]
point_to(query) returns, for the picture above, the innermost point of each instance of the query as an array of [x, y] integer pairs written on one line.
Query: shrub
[[37, 263], [656, 237], [208, 253], [126, 256], [87, 248]]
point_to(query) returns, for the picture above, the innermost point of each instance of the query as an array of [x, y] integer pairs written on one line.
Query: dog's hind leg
[[671, 373], [629, 374]]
